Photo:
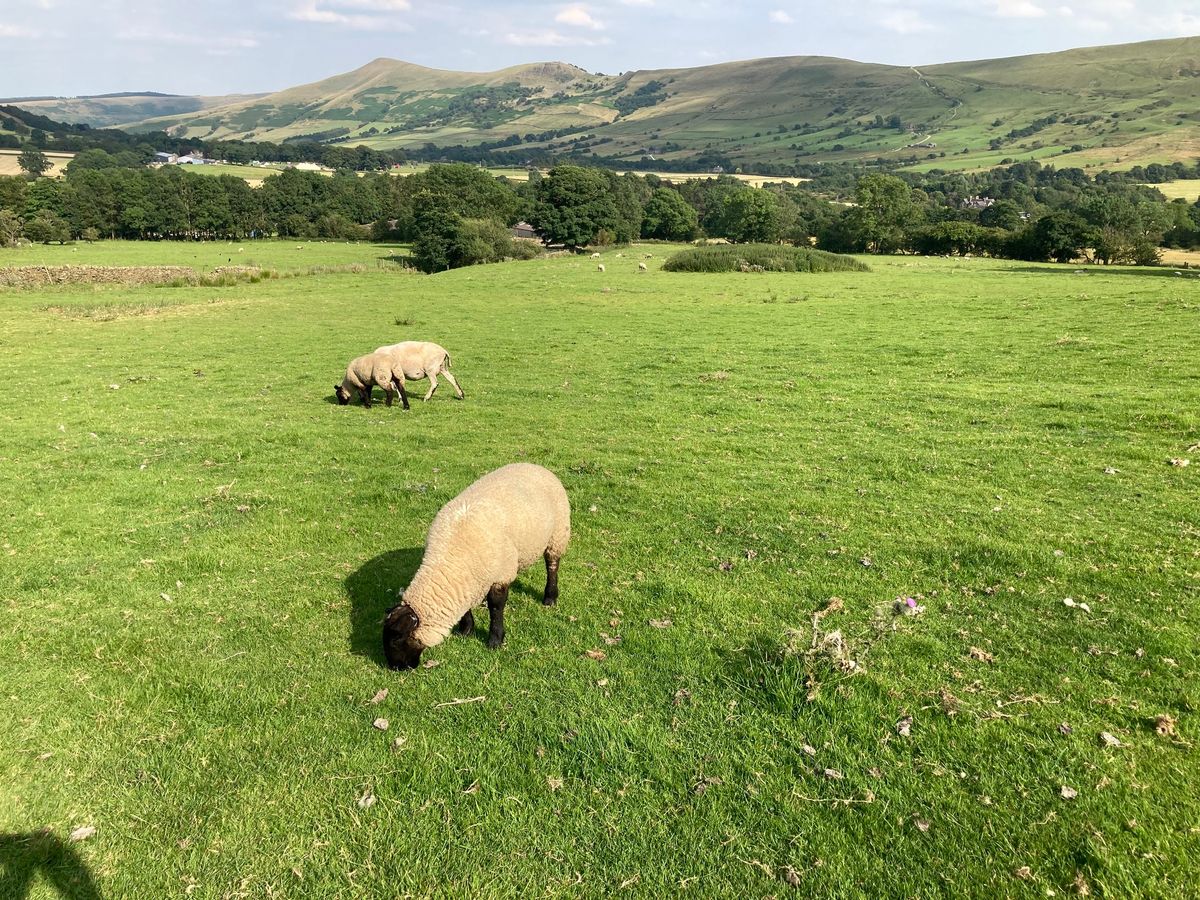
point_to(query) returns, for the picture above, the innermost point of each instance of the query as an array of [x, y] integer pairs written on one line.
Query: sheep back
[[417, 359], [499, 525]]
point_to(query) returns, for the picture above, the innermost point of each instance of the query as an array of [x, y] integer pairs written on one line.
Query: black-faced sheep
[[421, 359], [477, 544]]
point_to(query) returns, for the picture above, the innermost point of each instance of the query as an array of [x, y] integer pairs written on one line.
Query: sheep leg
[[366, 395], [388, 392], [496, 599], [432, 385], [551, 595], [453, 383], [466, 625], [399, 385]]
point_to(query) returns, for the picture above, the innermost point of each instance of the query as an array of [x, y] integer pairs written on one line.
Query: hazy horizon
[[72, 47]]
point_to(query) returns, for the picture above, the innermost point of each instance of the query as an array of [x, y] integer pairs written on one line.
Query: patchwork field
[[197, 546], [10, 165]]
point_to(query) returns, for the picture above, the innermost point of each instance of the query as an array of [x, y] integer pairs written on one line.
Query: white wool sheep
[[600, 268], [364, 373], [477, 544], [642, 267], [421, 359], [595, 256]]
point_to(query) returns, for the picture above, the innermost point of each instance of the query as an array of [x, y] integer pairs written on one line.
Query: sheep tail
[[448, 363]]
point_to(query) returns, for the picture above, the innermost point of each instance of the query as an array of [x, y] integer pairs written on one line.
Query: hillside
[[107, 110], [1110, 106]]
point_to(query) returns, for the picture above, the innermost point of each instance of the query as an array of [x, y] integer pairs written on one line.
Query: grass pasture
[[197, 545]]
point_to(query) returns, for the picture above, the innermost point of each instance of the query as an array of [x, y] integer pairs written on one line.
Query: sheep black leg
[[466, 625], [366, 397], [403, 393], [496, 599], [388, 393], [551, 595]]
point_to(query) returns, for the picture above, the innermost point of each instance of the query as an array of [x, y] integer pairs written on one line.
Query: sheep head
[[400, 645], [343, 395]]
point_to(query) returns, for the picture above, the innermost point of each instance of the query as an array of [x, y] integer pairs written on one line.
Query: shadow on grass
[[1143, 272], [374, 589], [43, 857]]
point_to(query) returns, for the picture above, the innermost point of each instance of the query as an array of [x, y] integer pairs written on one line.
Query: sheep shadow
[[43, 857], [374, 589]]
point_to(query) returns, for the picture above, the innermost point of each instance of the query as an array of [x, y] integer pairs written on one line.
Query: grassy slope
[[109, 112], [737, 108], [193, 567]]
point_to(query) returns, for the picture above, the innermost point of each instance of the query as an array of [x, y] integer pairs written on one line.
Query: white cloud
[[373, 5], [1018, 9], [577, 16], [314, 11], [780, 17], [17, 31], [219, 44], [550, 38], [905, 21]]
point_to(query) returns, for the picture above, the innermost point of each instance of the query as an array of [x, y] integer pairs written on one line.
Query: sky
[[72, 47]]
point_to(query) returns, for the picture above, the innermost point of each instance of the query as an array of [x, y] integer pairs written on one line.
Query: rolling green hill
[[1107, 106], [108, 110]]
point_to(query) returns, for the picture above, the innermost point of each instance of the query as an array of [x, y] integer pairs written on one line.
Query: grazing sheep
[[421, 359], [477, 544], [642, 267], [595, 256], [364, 373], [600, 268]]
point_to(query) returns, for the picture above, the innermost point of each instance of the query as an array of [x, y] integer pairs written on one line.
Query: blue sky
[[223, 46]]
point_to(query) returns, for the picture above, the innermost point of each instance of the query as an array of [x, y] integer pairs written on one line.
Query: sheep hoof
[[494, 641], [550, 599]]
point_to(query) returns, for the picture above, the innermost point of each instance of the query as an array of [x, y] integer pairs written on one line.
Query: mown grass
[[760, 258], [197, 544]]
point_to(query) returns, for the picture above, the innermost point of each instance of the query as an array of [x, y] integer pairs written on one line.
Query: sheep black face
[[343, 395], [402, 649]]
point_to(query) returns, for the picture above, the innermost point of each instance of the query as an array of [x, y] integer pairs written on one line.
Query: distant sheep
[[420, 359], [600, 268], [477, 544], [642, 267], [363, 374], [595, 256]]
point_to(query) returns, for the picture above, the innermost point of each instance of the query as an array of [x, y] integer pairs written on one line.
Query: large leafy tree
[[750, 215], [668, 217], [884, 210], [573, 205], [34, 162]]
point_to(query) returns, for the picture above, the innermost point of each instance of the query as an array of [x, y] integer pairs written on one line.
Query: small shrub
[[760, 258]]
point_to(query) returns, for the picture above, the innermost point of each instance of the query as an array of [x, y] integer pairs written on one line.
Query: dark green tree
[[34, 162], [573, 205], [668, 217], [750, 215]]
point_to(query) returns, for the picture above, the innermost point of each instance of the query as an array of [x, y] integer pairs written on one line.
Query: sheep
[[476, 545], [364, 373], [595, 256], [421, 359], [600, 268], [642, 267]]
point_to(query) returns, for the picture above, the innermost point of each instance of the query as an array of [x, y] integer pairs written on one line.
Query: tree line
[[457, 214]]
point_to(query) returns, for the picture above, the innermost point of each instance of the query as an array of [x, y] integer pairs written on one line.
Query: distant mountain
[[107, 110], [1112, 106]]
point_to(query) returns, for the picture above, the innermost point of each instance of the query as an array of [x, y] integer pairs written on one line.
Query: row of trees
[[457, 214]]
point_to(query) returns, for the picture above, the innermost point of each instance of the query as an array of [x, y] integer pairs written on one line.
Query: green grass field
[[197, 547]]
